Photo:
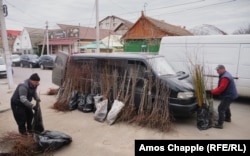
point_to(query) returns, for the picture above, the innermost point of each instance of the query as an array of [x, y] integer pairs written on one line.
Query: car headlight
[[185, 95]]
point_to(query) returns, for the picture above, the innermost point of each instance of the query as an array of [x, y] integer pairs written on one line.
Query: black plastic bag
[[37, 122], [90, 104], [203, 118], [73, 100], [85, 103], [52, 140], [81, 98]]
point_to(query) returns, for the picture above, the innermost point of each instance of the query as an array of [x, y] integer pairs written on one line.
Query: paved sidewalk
[[5, 95]]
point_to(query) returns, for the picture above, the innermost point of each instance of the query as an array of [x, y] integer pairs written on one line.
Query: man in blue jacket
[[21, 103], [227, 93]]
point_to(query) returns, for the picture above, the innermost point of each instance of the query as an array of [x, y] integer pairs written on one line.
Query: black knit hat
[[35, 77]]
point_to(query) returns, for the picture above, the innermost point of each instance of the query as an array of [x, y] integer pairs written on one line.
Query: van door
[[59, 68], [243, 79]]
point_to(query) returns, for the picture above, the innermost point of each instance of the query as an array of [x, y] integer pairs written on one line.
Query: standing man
[[227, 93], [21, 103]]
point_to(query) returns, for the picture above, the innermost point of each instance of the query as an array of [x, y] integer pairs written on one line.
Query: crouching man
[[21, 103]]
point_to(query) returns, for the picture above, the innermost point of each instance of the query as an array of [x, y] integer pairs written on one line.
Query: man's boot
[[220, 126], [228, 120]]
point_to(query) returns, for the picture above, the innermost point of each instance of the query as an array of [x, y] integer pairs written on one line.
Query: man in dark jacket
[[21, 103], [227, 92]]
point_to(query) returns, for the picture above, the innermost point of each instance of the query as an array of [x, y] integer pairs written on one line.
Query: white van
[[233, 51]]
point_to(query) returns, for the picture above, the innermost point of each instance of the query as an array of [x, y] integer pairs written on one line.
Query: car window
[[33, 56], [15, 56], [42, 57], [161, 66], [138, 67], [48, 57]]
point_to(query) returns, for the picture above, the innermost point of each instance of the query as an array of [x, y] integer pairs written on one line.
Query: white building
[[17, 45]]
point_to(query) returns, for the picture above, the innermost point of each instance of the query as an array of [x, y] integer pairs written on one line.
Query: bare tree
[[242, 30]]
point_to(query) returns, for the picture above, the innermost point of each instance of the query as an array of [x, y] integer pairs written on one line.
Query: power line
[[127, 13], [176, 5], [195, 8], [201, 7]]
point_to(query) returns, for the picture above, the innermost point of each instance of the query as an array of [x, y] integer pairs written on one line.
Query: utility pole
[[111, 21], [78, 46], [97, 27], [47, 37], [6, 47], [44, 37]]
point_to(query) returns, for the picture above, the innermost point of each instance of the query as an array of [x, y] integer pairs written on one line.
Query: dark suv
[[46, 61], [147, 79], [29, 60]]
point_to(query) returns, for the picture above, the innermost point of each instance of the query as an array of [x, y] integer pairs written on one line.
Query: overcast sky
[[227, 15]]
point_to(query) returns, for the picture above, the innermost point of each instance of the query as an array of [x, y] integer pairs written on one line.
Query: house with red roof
[[70, 37], [11, 36], [145, 35]]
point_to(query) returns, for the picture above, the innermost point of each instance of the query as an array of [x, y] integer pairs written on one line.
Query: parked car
[[46, 61], [3, 69], [181, 100], [29, 60], [15, 60]]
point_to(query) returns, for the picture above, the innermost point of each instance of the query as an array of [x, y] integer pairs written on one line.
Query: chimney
[[142, 13]]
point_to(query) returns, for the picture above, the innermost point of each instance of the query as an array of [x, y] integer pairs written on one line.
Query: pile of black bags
[[82, 102]]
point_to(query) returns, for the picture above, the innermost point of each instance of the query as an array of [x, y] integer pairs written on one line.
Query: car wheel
[[31, 66], [42, 67]]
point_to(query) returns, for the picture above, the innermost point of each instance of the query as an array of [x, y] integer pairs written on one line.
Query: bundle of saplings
[[116, 83]]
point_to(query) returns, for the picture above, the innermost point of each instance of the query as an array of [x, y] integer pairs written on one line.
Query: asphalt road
[[89, 135]]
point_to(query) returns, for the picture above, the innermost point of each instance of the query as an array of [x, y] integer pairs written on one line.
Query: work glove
[[35, 107], [38, 100], [208, 91]]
